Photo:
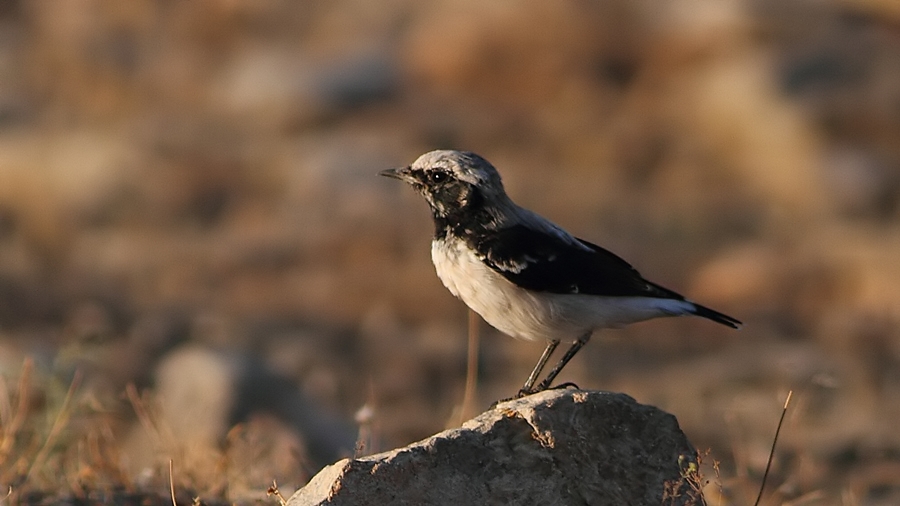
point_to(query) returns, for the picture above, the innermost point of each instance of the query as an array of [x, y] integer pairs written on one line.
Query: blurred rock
[[556, 447], [259, 84], [201, 393], [195, 390], [862, 184]]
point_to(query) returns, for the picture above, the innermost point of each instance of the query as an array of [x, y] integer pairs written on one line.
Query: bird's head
[[453, 182]]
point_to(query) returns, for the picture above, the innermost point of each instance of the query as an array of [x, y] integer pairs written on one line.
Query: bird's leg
[[529, 383], [564, 360]]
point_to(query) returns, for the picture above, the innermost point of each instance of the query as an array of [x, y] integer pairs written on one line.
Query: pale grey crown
[[466, 167]]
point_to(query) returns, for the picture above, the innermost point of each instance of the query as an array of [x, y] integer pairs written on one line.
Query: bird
[[525, 275]]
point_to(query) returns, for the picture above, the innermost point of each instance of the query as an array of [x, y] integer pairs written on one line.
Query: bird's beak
[[401, 173]]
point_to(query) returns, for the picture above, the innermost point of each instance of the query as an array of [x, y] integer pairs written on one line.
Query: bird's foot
[[567, 384], [525, 393], [501, 401], [546, 386], [521, 393]]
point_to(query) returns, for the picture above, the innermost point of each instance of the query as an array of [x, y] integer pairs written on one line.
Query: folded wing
[[545, 262]]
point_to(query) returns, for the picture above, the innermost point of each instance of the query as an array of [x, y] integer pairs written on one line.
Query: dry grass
[[56, 445], [38, 441], [65, 450]]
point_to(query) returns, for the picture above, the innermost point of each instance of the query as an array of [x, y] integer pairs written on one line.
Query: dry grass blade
[[11, 428], [762, 485], [140, 409], [61, 419], [273, 490], [719, 481], [471, 369], [172, 482], [365, 419]]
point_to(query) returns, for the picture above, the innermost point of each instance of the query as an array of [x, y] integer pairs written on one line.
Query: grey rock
[[555, 447], [201, 393]]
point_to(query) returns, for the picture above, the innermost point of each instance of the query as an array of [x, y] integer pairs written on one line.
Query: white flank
[[529, 315]]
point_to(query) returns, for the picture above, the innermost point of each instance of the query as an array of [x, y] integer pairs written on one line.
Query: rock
[[555, 447], [201, 393]]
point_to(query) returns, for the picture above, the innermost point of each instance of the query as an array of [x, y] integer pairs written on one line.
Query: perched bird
[[524, 275]]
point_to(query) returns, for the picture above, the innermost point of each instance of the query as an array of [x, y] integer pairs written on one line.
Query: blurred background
[[198, 261]]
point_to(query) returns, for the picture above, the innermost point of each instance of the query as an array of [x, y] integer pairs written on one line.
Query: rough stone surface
[[555, 447]]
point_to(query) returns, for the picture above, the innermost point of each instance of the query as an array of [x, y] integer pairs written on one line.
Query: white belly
[[531, 315]]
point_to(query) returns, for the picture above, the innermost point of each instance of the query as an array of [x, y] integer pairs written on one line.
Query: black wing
[[546, 262]]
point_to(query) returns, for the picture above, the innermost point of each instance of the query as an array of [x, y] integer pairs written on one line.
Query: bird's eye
[[437, 177]]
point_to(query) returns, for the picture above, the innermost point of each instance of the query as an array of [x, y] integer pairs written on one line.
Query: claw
[[524, 393], [521, 393], [567, 384]]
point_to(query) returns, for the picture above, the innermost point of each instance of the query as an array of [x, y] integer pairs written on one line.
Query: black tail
[[716, 316], [724, 319]]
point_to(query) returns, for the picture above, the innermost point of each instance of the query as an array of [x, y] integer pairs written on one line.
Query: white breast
[[531, 315]]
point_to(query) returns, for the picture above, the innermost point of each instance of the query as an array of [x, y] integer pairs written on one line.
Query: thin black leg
[[529, 383], [563, 361]]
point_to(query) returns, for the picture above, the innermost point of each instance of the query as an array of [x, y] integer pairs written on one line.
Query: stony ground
[[199, 264]]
